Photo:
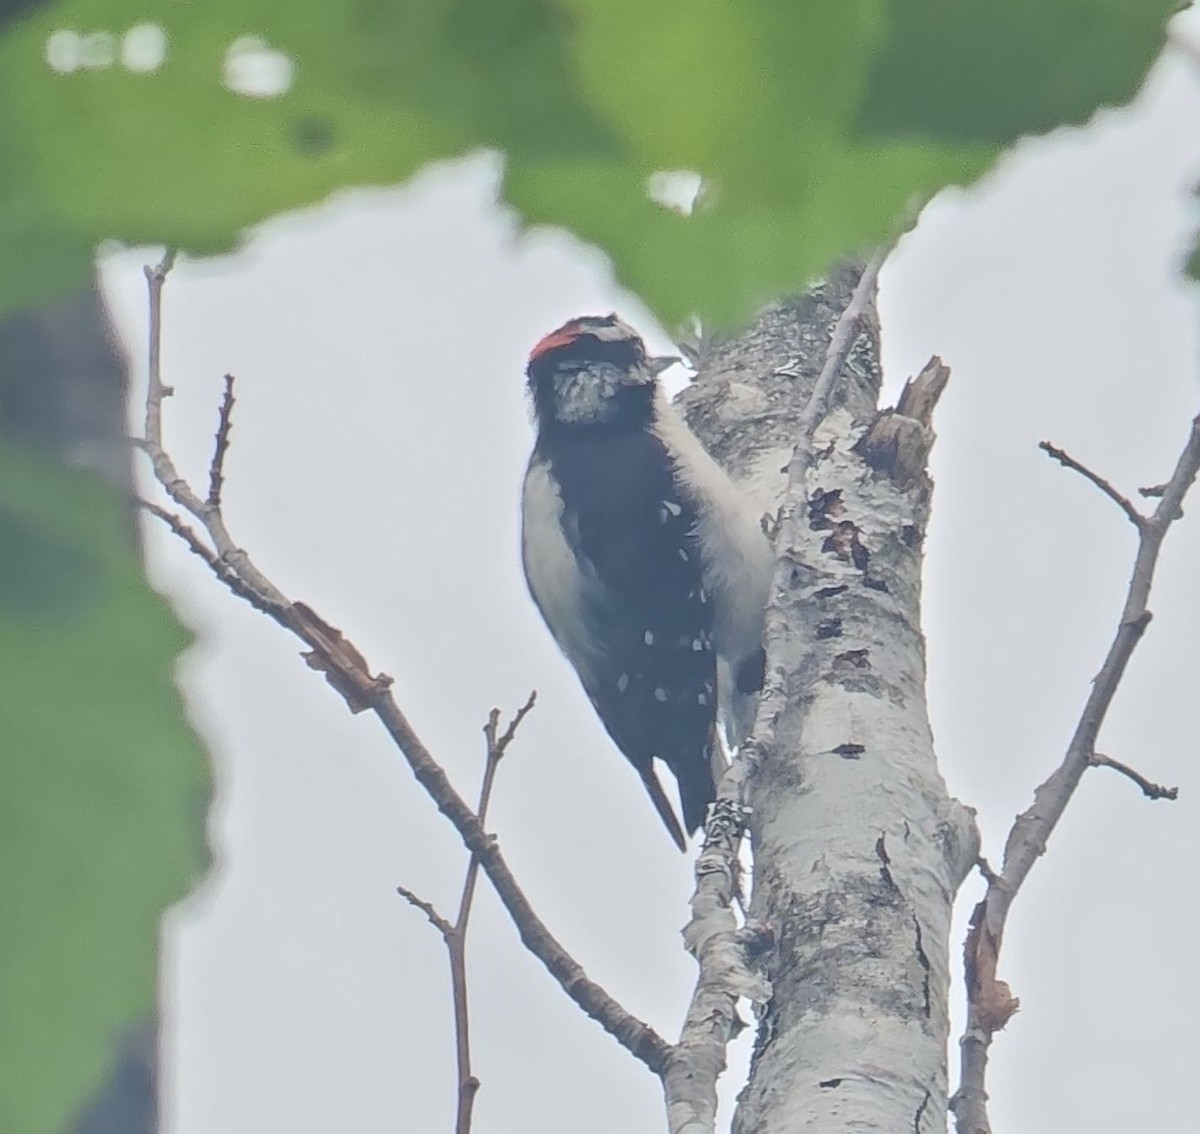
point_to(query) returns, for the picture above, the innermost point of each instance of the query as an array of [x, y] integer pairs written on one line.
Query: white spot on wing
[[648, 637], [702, 699], [674, 507], [660, 694], [685, 557], [622, 683]]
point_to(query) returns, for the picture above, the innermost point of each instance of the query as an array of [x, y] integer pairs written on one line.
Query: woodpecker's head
[[593, 370]]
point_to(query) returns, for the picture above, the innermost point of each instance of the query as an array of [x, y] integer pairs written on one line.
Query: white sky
[[379, 440]]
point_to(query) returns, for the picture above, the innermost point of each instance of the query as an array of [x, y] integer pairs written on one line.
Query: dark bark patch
[[824, 508], [829, 592], [827, 1083], [757, 939], [885, 871], [849, 751], [923, 961], [852, 660], [921, 1113], [830, 627], [845, 542]]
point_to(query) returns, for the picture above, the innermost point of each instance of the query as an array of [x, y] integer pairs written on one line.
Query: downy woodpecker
[[648, 568]]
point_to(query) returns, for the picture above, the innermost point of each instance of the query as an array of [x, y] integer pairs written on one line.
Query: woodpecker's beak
[[656, 364]]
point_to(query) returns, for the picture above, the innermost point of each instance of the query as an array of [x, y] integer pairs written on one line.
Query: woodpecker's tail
[[663, 806], [697, 785]]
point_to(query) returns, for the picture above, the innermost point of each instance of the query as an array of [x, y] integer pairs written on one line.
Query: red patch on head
[[564, 336]]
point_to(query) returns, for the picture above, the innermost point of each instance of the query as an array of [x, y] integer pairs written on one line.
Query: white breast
[[553, 572]]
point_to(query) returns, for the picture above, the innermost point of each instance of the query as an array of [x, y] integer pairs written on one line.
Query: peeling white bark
[[858, 848]]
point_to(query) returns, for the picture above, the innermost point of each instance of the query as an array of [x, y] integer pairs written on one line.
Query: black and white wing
[[610, 553]]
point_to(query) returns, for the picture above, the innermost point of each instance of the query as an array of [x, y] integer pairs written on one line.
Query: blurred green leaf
[[105, 788], [818, 127], [732, 258], [987, 71]]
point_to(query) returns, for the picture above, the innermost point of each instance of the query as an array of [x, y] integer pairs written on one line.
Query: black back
[[625, 516]]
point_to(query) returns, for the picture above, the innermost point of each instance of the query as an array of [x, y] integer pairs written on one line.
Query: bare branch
[[1028, 837], [1123, 502], [985, 868], [198, 547], [712, 934], [506, 739], [468, 1084], [1150, 789], [195, 544], [427, 908], [216, 472], [455, 936], [165, 472], [346, 669]]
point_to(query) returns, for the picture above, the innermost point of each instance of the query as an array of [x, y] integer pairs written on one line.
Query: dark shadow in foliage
[[62, 393]]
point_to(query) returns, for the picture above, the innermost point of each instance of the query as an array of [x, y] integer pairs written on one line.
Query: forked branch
[[1150, 789], [344, 667], [990, 1003], [455, 935], [1123, 502]]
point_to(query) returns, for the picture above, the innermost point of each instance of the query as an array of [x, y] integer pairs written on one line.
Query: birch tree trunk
[[858, 849]]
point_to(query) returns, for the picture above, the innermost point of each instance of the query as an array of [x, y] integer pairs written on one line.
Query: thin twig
[[1123, 502], [712, 934], [199, 548], [216, 471], [347, 670], [195, 544], [985, 868], [427, 908], [456, 942], [511, 731], [455, 935], [1150, 789], [155, 278], [989, 1001], [167, 475]]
